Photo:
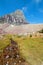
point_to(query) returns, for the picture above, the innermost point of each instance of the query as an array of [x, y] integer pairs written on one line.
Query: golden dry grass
[[30, 48]]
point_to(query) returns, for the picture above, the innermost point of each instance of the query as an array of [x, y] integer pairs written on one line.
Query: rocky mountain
[[14, 18]]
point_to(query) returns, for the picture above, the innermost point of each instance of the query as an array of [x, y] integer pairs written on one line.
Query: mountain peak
[[14, 18], [19, 12]]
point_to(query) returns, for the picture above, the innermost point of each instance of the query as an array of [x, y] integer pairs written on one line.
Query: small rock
[[19, 61], [7, 56], [17, 56], [14, 63]]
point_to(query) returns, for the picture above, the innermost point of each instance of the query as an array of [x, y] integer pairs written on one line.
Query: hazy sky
[[33, 9]]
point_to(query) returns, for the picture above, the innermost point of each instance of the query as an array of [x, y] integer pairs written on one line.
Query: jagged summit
[[14, 18], [19, 13]]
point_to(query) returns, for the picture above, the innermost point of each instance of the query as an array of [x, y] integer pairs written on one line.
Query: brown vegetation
[[11, 55]]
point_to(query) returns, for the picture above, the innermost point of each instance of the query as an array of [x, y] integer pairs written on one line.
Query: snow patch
[[12, 25]]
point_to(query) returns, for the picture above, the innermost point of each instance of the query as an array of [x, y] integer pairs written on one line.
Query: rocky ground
[[20, 29], [11, 55]]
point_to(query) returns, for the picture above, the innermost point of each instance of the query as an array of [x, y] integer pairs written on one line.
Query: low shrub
[[30, 35]]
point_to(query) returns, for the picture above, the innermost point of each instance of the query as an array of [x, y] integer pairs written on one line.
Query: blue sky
[[32, 9]]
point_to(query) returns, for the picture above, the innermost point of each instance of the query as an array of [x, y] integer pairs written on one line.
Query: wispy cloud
[[24, 8], [37, 1], [41, 10]]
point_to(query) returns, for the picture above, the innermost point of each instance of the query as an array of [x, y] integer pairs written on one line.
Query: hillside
[[20, 29], [30, 49]]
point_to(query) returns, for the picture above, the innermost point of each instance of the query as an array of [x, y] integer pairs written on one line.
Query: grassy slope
[[30, 48], [4, 41]]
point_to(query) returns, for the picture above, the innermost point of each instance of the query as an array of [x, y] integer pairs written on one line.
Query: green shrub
[[19, 36], [30, 35], [41, 31]]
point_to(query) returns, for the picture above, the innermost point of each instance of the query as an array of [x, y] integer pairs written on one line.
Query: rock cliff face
[[14, 18]]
